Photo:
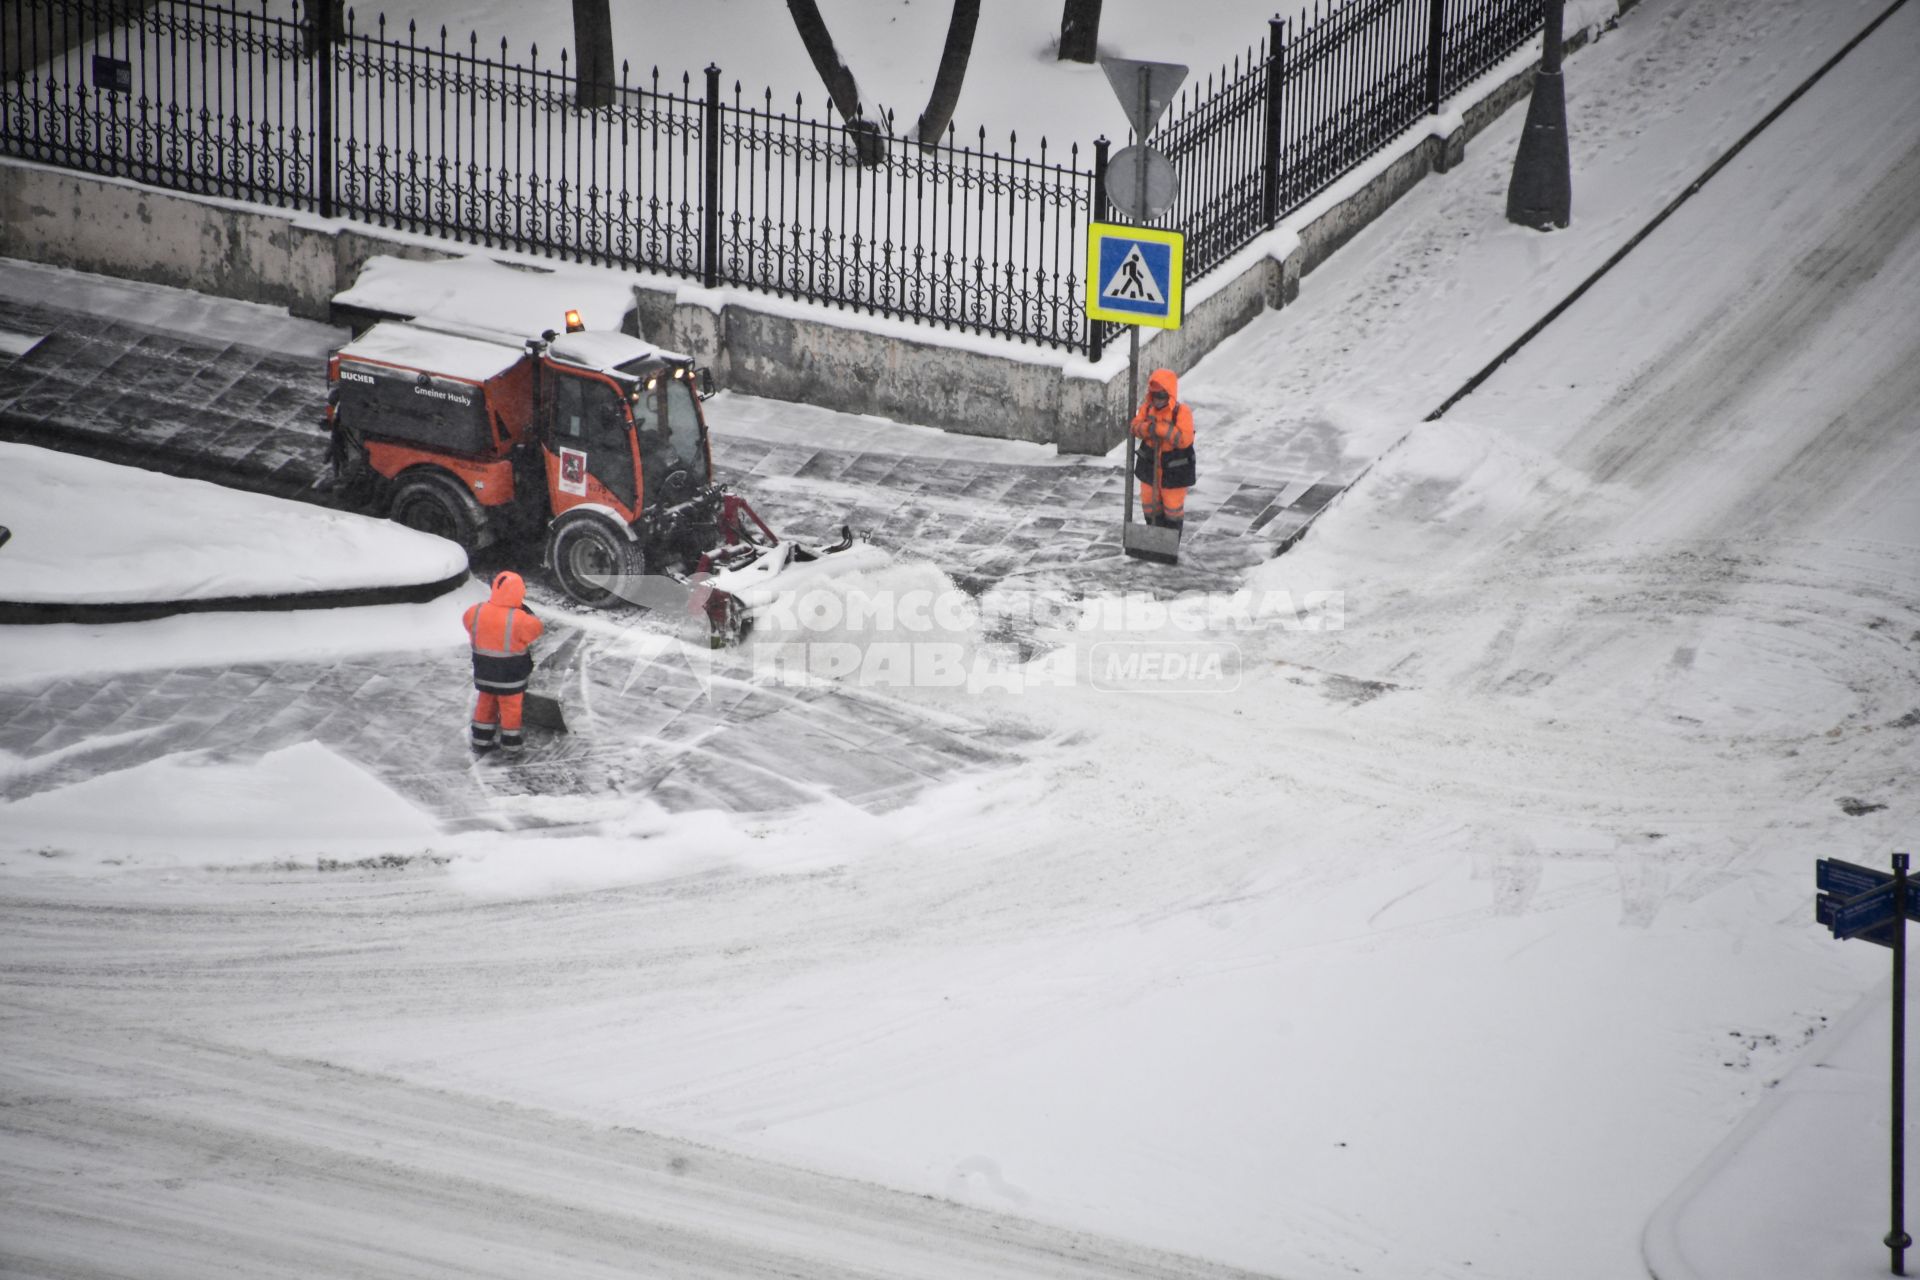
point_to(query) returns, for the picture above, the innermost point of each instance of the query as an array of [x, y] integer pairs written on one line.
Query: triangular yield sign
[[1163, 80]]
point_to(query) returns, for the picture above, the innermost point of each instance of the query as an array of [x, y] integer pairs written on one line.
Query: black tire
[[582, 553], [434, 504]]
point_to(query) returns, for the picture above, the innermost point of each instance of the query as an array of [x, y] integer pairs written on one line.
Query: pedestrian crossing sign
[[1135, 275]]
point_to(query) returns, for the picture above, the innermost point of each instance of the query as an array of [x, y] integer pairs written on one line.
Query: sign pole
[[1141, 78], [1897, 1237], [1133, 380], [1133, 404]]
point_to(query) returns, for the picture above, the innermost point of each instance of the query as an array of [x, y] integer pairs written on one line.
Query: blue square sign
[[1135, 275]]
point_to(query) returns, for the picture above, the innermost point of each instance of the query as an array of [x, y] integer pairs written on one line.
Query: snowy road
[[1446, 946], [197, 1153]]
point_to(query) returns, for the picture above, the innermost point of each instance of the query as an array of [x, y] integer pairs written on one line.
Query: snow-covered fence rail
[[434, 134]]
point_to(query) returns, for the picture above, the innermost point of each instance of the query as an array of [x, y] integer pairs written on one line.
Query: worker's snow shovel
[[1146, 541], [542, 710], [538, 711], [1150, 542]]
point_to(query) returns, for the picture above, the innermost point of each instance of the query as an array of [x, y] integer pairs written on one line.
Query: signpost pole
[[1133, 403], [1141, 78], [1897, 1238]]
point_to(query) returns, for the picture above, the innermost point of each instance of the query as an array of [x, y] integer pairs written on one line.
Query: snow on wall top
[[481, 296]]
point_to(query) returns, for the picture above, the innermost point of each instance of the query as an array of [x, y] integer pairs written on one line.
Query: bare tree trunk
[[954, 56], [826, 59], [868, 144], [593, 53], [1079, 31]]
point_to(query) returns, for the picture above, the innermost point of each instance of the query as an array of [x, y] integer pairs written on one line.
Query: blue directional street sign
[[1864, 912], [1858, 902], [1136, 275], [1848, 879], [1881, 935]]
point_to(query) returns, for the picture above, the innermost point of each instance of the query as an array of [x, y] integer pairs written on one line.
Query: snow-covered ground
[[1447, 942], [1015, 83]]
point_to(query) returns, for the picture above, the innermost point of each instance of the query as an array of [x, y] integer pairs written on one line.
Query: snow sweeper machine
[[597, 440]]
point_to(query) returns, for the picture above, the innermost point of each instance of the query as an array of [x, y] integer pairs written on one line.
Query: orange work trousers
[[1172, 504], [497, 716]]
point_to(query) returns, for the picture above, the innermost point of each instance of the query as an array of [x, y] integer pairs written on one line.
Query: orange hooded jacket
[[1161, 431], [503, 631]]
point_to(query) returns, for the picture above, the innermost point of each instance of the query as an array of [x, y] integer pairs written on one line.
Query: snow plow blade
[[742, 590]]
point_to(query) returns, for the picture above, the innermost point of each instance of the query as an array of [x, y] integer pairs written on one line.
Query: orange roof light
[[574, 323]]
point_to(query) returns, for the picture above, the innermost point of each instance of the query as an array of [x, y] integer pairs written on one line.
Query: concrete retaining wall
[[754, 344]]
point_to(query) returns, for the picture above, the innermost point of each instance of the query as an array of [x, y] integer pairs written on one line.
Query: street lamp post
[[1541, 192]]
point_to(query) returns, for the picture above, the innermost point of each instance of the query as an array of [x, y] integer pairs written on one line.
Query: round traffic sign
[[1141, 183]]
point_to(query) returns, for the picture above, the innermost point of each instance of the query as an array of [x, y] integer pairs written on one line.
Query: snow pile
[[189, 810], [90, 532], [637, 842]]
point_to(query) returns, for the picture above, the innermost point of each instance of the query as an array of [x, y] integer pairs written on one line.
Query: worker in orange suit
[[1164, 463], [502, 631]]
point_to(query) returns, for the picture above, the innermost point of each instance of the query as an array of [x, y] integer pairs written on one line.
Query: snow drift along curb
[[15, 612]]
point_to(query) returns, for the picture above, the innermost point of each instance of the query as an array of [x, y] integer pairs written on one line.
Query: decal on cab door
[[573, 472]]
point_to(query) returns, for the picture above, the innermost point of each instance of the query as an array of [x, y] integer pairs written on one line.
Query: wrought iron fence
[[442, 138], [952, 234], [208, 101], [431, 135]]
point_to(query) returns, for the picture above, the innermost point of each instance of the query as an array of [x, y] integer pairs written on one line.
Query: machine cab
[[623, 427]]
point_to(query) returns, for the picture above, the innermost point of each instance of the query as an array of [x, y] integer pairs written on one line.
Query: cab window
[[587, 414], [668, 419]]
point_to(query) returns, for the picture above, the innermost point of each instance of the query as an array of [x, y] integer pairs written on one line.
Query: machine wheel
[[584, 553], [433, 504]]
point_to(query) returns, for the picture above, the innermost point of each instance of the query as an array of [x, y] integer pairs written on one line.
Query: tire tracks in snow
[[188, 1154]]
